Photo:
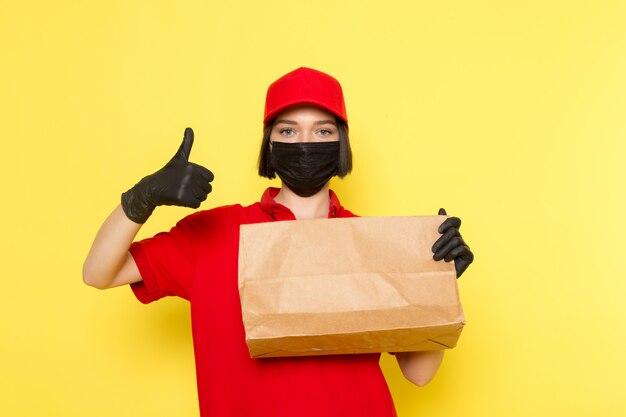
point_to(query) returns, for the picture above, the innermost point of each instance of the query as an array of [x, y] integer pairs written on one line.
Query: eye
[[325, 132], [286, 131]]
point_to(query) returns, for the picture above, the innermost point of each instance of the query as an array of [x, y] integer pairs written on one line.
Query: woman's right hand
[[178, 183]]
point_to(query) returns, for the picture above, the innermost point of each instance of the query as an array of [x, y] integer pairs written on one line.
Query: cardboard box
[[339, 286]]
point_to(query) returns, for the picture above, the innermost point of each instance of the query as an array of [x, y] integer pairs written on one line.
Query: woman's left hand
[[451, 245]]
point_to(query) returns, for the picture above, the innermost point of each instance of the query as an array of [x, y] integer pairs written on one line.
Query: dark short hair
[[345, 153]]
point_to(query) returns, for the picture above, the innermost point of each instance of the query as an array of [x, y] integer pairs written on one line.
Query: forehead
[[305, 111]]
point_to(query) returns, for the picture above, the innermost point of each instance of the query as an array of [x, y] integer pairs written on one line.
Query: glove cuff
[[135, 208]]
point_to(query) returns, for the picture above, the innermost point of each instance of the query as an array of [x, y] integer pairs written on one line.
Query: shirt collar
[[280, 212]]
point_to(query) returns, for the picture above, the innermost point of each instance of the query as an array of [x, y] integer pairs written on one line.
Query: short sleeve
[[166, 262]]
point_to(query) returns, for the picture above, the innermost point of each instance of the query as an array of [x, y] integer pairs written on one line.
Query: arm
[[419, 367], [108, 263], [179, 182]]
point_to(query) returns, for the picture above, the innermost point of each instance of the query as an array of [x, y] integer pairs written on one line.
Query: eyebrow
[[318, 122]]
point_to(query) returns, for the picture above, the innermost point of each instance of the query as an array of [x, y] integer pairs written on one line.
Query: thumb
[[442, 212], [185, 147]]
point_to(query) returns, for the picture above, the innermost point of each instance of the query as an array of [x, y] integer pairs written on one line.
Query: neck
[[313, 207]]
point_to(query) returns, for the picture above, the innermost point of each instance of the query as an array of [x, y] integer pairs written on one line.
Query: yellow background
[[511, 115]]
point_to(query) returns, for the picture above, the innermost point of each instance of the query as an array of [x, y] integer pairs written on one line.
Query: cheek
[[332, 138], [274, 137], [277, 137]]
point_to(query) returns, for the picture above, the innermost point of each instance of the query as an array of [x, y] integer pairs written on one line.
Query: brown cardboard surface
[[356, 285]]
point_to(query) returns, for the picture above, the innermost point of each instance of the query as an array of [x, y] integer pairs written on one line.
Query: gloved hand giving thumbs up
[[178, 183]]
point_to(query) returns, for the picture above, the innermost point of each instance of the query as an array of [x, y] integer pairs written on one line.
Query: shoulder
[[212, 218], [347, 213], [337, 209]]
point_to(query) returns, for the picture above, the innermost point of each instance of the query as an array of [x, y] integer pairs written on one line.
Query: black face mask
[[305, 167]]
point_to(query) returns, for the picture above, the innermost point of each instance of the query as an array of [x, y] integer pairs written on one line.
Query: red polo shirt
[[197, 260]]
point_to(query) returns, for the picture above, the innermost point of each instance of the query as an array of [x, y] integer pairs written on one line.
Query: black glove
[[451, 245], [179, 183]]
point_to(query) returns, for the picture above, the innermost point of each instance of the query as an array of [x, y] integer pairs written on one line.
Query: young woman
[[305, 143]]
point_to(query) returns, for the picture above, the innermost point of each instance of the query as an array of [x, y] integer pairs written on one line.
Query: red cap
[[305, 86]]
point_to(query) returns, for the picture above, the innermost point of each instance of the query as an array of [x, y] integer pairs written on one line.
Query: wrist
[[136, 206]]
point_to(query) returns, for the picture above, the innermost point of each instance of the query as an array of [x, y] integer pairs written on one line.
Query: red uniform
[[197, 260]]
